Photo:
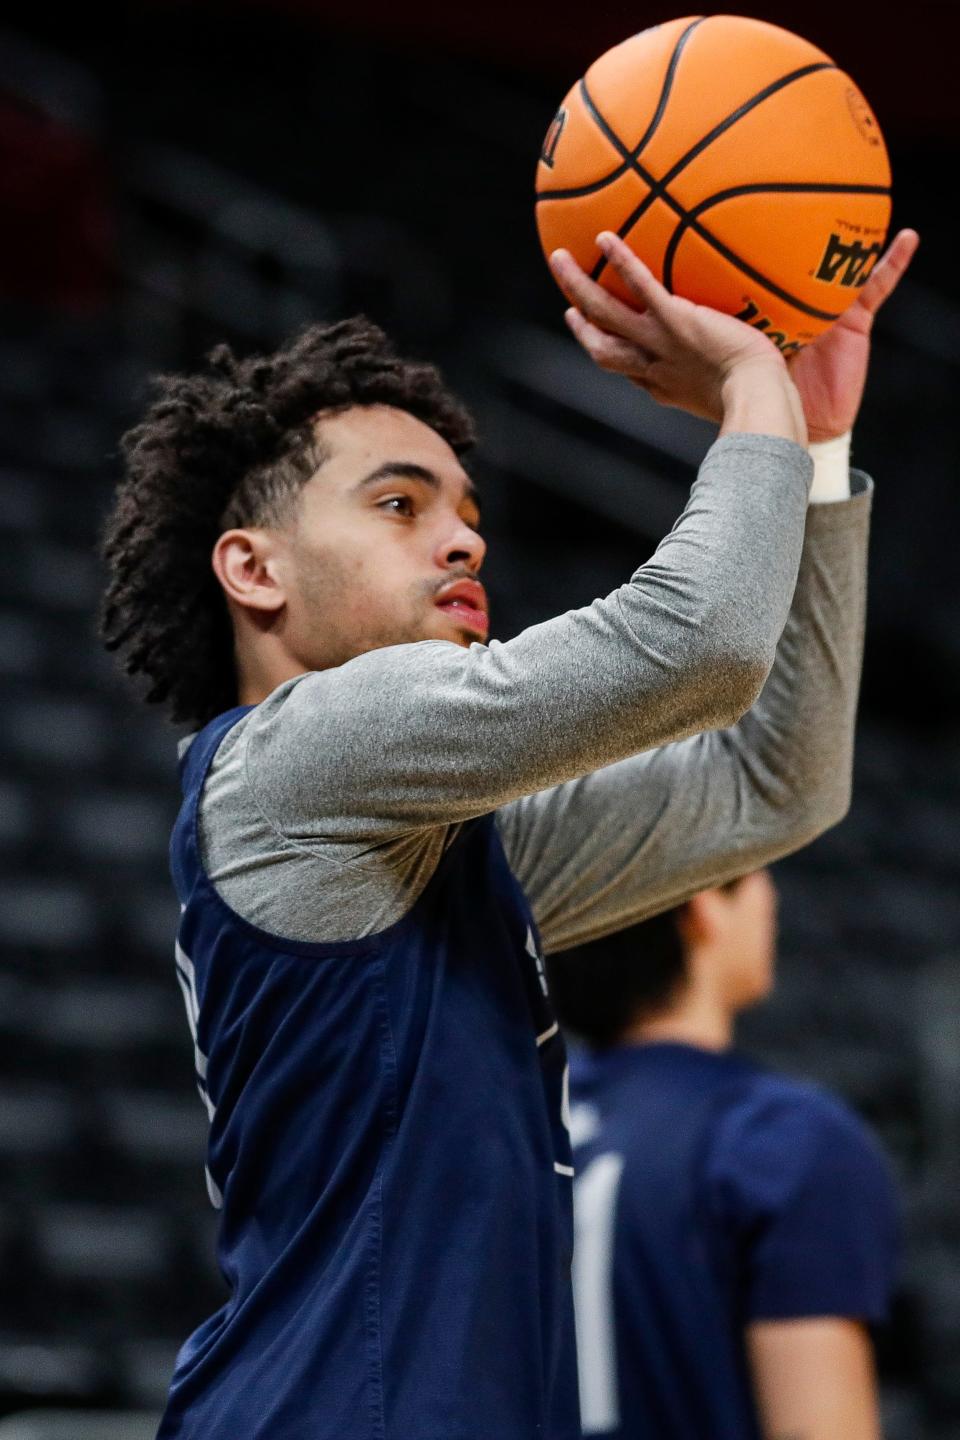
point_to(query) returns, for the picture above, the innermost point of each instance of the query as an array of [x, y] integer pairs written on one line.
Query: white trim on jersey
[[216, 1199], [208, 1104], [188, 984], [187, 980]]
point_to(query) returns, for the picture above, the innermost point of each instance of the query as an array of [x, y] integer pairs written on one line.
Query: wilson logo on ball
[[552, 138], [848, 262]]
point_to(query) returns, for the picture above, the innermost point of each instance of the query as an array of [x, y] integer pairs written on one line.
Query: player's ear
[[247, 565], [701, 919]]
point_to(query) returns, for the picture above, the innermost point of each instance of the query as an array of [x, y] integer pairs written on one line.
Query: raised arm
[[416, 736], [598, 854]]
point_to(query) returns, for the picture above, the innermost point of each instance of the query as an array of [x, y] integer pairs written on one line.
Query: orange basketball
[[735, 159]]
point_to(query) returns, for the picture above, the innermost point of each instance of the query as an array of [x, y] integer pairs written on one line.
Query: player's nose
[[462, 544]]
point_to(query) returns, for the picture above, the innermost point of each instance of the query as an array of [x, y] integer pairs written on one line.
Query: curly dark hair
[[233, 447]]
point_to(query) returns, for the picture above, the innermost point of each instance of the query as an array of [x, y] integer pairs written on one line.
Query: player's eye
[[404, 504]]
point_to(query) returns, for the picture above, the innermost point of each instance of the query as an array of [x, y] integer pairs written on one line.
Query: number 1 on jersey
[[594, 1209]]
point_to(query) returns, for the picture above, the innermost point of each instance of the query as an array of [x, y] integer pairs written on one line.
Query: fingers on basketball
[[596, 303], [611, 352], [637, 276], [750, 174], [889, 272]]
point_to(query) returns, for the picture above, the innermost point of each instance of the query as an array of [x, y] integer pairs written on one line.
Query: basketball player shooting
[[387, 820]]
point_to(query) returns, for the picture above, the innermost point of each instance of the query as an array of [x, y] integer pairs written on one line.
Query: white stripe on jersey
[[187, 980], [208, 1104], [216, 1199], [188, 984]]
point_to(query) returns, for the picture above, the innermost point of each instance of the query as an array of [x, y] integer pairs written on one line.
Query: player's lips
[[466, 601]]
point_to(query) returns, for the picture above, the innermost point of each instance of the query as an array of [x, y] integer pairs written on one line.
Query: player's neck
[[260, 669], [696, 1020]]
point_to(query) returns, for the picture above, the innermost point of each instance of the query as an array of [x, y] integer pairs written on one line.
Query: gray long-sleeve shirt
[[609, 740]]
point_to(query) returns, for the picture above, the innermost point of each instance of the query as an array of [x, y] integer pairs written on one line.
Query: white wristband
[[831, 469]]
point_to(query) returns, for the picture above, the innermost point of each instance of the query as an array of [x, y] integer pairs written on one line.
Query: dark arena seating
[[106, 1234]]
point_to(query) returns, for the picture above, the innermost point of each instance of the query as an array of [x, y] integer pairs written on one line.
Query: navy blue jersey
[[388, 1154], [711, 1193]]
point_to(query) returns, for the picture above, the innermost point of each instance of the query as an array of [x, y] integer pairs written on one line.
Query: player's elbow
[[830, 791], [834, 802], [738, 673], [739, 655], [811, 812]]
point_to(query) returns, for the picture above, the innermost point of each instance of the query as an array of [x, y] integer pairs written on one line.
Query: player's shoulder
[[315, 700], [788, 1130], [365, 691], [769, 1099]]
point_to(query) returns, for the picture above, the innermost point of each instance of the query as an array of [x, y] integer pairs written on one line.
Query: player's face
[[750, 940], [385, 547]]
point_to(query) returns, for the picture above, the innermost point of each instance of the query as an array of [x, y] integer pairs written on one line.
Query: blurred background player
[[736, 1231]]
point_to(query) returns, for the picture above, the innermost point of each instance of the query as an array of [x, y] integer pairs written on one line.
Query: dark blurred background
[[175, 174]]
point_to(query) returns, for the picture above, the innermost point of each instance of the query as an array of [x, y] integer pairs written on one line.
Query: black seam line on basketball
[[678, 49], [670, 254], [772, 89], [658, 188], [630, 157], [645, 175], [789, 187], [644, 140], [740, 264], [688, 221], [773, 188]]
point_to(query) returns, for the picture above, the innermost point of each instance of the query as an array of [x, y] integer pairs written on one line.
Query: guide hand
[[681, 353]]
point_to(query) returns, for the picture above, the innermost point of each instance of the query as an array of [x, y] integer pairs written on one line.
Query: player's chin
[[449, 625]]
